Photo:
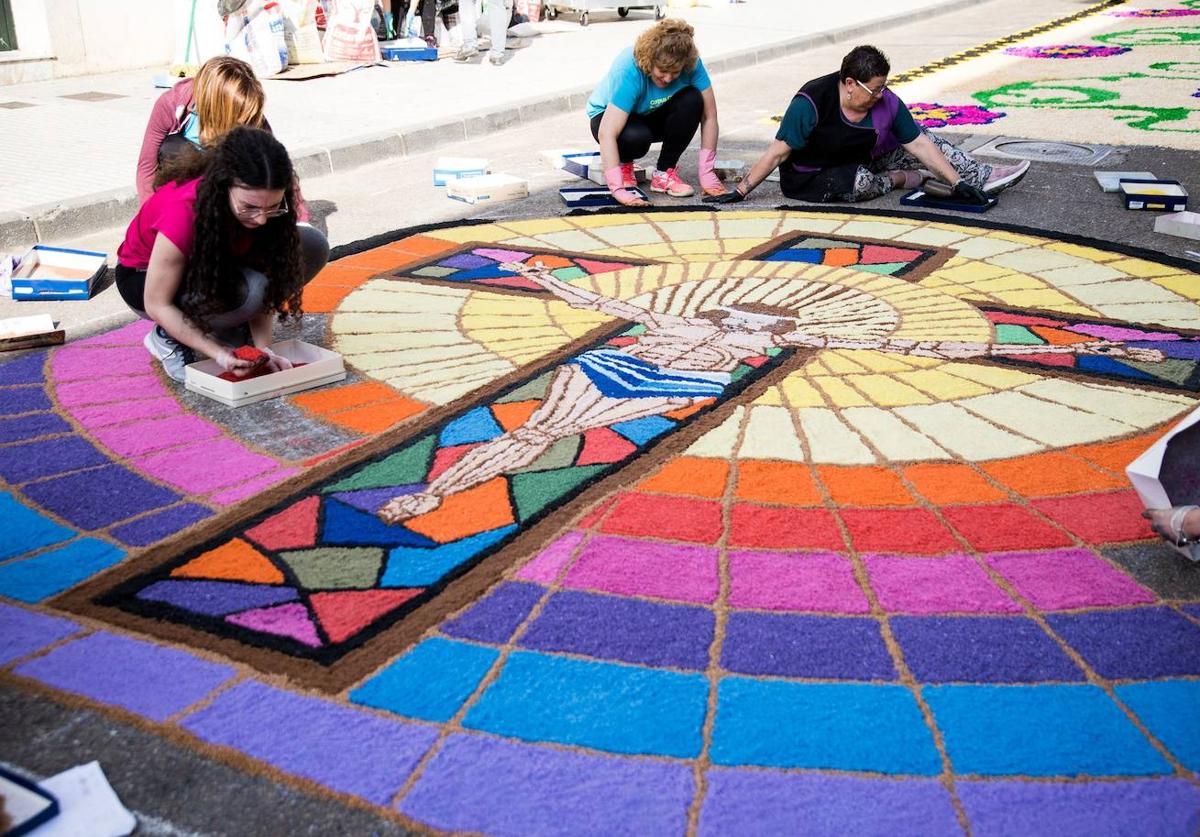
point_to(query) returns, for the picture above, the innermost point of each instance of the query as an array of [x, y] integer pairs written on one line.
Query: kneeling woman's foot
[[173, 355], [1003, 177], [401, 508], [668, 181]]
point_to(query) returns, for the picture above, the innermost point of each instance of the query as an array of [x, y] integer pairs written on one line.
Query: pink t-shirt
[[170, 211]]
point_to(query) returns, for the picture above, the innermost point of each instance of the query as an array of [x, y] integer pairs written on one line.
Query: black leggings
[[673, 124]]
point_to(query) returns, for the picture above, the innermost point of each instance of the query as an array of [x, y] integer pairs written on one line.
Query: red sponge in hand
[[251, 353]]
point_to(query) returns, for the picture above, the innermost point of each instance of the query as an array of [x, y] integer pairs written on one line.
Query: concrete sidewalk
[[70, 145]]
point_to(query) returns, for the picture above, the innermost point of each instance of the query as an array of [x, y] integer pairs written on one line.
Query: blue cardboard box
[[57, 273]]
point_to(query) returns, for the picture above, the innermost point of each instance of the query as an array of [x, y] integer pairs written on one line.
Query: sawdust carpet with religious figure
[[666, 522]]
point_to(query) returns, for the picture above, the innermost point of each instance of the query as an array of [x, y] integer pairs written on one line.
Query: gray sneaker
[[165, 348], [465, 53]]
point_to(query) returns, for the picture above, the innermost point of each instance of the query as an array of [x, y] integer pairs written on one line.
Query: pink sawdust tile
[[647, 568], [1061, 579], [128, 335], [117, 413], [945, 584], [248, 489], [75, 364], [109, 391], [206, 466], [138, 437], [546, 565], [808, 581]]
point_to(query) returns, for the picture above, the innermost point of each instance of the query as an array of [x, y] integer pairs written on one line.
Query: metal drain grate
[[16, 105], [1068, 153]]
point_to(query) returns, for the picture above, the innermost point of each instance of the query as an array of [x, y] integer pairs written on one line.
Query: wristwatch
[[1178, 517]]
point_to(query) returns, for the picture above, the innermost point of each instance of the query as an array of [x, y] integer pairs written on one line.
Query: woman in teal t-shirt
[[656, 91]]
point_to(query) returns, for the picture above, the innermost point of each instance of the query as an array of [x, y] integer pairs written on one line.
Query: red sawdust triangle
[[232, 561], [602, 446], [344, 613], [293, 528], [876, 254]]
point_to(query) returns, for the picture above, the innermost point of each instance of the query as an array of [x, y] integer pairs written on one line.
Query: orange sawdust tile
[[514, 414], [1114, 456], [325, 401], [469, 512], [343, 275], [1051, 474], [422, 245], [684, 412], [840, 256], [324, 299], [690, 476], [379, 259], [1058, 337], [787, 483], [235, 560], [864, 486], [551, 262], [951, 483], [375, 418]]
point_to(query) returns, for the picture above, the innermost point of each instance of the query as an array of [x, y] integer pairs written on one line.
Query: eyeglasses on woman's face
[[872, 91], [255, 203]]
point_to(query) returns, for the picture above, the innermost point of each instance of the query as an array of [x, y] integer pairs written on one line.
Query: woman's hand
[[709, 182], [275, 362], [230, 362], [1178, 525], [616, 185]]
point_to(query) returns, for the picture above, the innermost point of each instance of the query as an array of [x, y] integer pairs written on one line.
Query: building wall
[[58, 38]]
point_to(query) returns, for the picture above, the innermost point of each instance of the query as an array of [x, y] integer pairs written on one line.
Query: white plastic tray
[[321, 366]]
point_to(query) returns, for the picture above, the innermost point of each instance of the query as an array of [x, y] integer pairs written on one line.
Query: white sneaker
[[1005, 176], [173, 355], [465, 53]]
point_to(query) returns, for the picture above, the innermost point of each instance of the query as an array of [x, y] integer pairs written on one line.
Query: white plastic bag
[[348, 33], [300, 32], [259, 40]]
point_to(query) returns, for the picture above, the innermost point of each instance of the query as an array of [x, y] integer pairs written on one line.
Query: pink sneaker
[[627, 176], [1005, 176], [668, 181]]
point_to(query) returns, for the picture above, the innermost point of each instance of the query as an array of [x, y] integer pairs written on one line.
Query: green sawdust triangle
[[533, 492], [336, 568], [1015, 334], [402, 468], [535, 390], [560, 455], [1172, 369], [886, 268]]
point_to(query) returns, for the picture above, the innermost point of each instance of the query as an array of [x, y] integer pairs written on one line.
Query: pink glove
[[615, 180], [709, 182]]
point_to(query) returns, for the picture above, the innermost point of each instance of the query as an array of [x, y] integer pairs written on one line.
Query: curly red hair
[[668, 45]]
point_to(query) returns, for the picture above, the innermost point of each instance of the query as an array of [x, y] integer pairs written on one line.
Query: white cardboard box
[[1110, 181], [554, 157], [1182, 224], [321, 366], [733, 170], [489, 188], [453, 168], [1143, 473]]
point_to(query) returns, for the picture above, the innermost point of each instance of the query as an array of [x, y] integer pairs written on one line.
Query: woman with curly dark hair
[[215, 254], [656, 91]]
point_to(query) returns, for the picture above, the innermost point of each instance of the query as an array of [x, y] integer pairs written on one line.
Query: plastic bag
[[258, 41], [300, 32], [348, 33]]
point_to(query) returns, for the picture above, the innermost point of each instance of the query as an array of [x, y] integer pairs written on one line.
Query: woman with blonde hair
[[656, 91], [197, 113]]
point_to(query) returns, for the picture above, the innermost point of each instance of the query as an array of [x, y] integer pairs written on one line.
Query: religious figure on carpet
[[680, 361]]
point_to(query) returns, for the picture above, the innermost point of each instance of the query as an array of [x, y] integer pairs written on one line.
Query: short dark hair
[[864, 63]]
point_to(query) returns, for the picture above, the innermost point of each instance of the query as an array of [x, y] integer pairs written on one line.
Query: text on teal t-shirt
[[801, 117], [632, 91]]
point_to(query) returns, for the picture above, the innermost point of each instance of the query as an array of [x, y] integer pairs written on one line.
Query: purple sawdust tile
[[97, 363], [810, 581], [981, 649], [29, 369], [131, 410], [154, 527], [1139, 644], [1144, 806], [613, 628], [1062, 579], [465, 261], [480, 784], [372, 500], [99, 497], [761, 802], [497, 615], [252, 487], [344, 749], [25, 631], [844, 648], [1192, 610], [127, 335], [24, 400], [502, 255], [139, 437], [206, 466], [45, 458], [215, 598], [545, 566], [633, 567], [110, 391], [151, 680], [942, 584], [31, 426]]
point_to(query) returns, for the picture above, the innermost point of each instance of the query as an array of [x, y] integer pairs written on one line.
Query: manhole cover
[[92, 96], [15, 105], [1069, 153]]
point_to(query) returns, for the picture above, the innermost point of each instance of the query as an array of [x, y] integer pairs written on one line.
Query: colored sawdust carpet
[[1125, 73], [675, 522]]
